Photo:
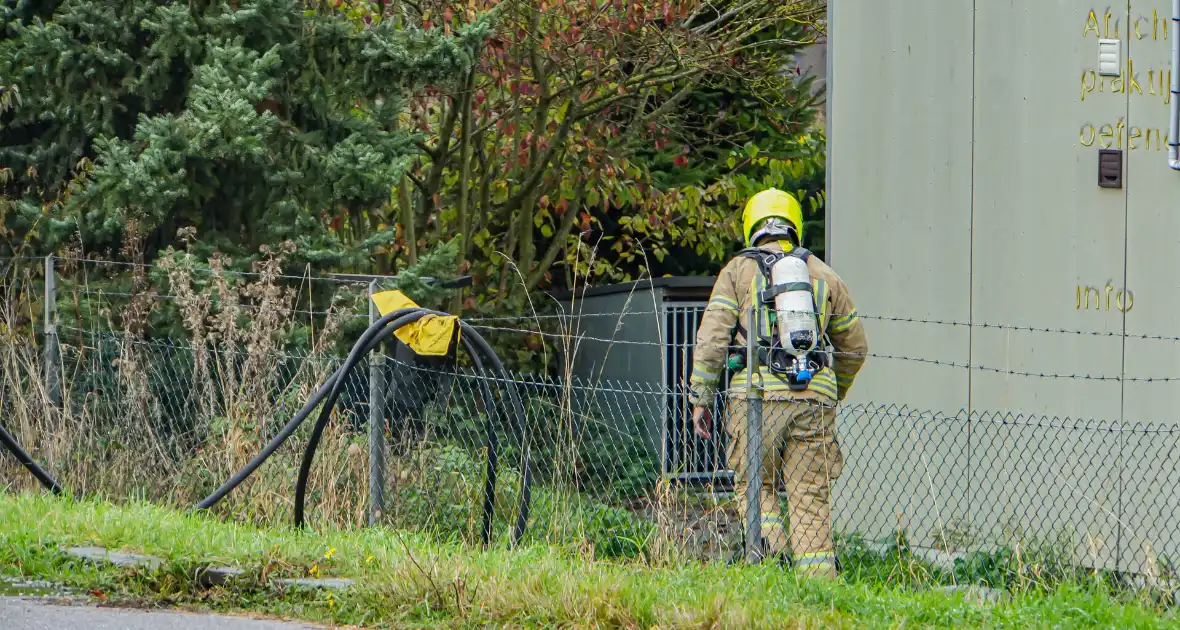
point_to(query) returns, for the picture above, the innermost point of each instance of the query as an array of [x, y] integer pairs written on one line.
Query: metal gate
[[687, 457]]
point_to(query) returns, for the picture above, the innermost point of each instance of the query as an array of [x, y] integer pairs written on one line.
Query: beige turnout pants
[[799, 447]]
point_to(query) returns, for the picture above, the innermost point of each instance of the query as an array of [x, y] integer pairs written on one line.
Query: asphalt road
[[32, 613]]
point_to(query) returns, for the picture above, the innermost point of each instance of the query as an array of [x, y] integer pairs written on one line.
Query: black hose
[[26, 460], [290, 428], [526, 486], [379, 331], [489, 489], [277, 441], [475, 345]]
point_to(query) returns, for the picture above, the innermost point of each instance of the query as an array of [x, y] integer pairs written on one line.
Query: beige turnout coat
[[727, 317]]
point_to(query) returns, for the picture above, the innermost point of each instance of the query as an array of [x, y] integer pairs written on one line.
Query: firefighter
[[800, 385]]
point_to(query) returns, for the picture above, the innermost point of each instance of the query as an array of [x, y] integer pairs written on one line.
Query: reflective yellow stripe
[[723, 302], [757, 286], [823, 387], [824, 382], [816, 560], [821, 302], [843, 323], [772, 519], [704, 373], [825, 377]]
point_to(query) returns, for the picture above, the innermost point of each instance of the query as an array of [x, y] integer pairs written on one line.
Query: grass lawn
[[412, 580]]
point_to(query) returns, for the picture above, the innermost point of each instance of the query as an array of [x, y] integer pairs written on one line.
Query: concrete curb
[[332, 583], [206, 576], [100, 555]]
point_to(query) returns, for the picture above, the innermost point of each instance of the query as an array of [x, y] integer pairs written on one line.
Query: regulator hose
[[26, 460]]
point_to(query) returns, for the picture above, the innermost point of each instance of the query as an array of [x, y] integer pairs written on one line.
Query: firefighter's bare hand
[[700, 422]]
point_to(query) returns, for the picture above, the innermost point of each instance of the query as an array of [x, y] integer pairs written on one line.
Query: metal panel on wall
[[1044, 231], [899, 224], [1150, 296]]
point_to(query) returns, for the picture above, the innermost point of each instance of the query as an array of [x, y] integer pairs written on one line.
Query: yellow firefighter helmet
[[771, 203]]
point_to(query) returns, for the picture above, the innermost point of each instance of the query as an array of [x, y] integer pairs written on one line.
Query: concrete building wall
[[964, 141], [902, 227]]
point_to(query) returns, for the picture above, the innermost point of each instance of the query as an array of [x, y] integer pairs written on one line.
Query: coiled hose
[[329, 393]]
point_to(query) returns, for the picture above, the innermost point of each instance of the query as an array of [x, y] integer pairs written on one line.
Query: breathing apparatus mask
[[775, 227]]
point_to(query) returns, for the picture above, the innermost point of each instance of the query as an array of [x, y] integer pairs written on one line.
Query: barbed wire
[[481, 323], [488, 319], [983, 368], [481, 319], [341, 278], [186, 345], [173, 298], [513, 377], [940, 362], [893, 357], [554, 384], [885, 318]]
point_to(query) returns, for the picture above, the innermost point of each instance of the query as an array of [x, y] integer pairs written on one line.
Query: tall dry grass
[[169, 420], [118, 436]]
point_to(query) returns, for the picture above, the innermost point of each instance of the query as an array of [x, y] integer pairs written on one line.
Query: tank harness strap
[[774, 291], [766, 260]]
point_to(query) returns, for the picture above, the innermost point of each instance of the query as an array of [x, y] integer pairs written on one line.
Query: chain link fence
[[616, 468]]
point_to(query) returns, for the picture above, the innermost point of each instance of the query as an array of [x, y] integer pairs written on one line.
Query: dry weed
[[169, 422]]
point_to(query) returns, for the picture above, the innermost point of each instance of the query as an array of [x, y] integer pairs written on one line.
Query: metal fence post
[[52, 356], [377, 445], [753, 442]]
